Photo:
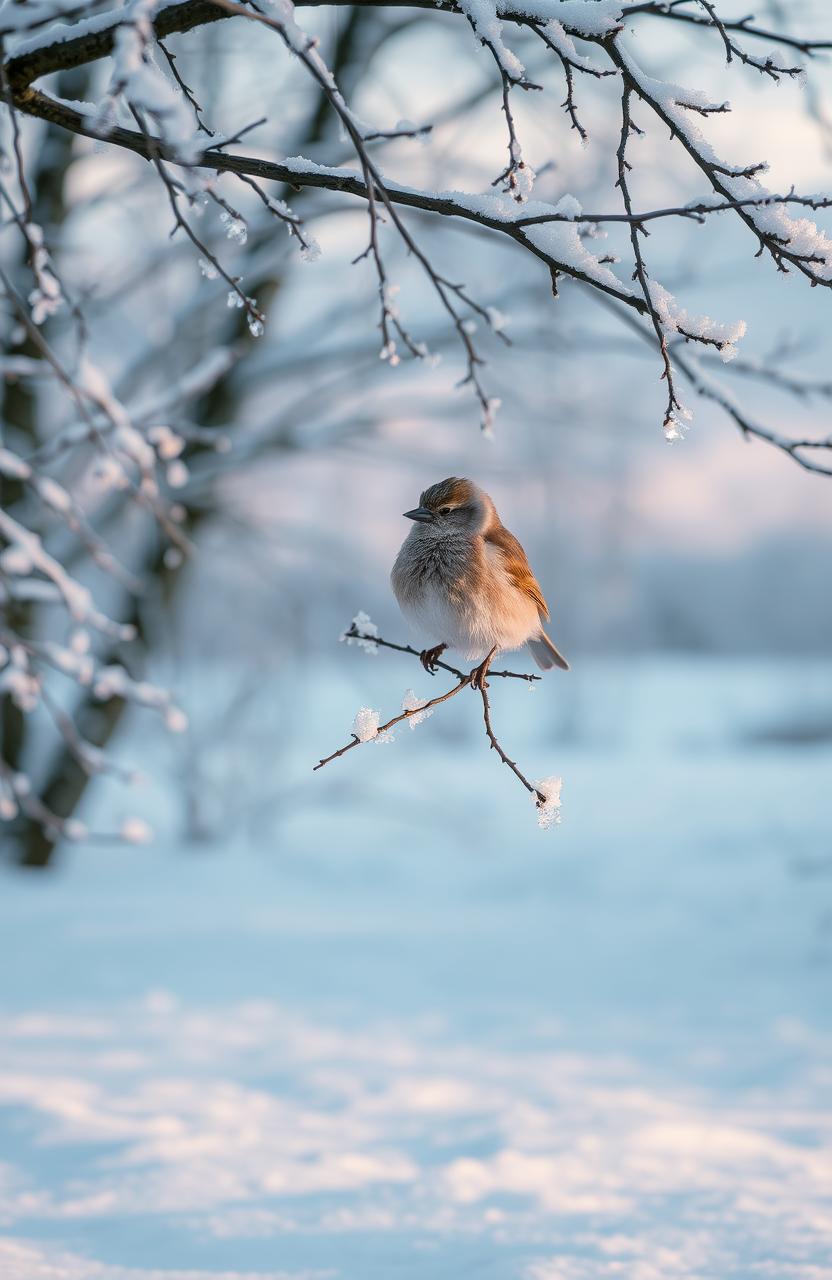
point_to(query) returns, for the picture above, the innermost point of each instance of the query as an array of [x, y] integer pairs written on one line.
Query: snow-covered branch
[[558, 24]]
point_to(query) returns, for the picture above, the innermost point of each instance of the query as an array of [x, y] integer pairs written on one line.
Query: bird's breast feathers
[[466, 596]]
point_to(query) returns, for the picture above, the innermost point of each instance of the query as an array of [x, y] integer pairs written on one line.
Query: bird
[[464, 581]]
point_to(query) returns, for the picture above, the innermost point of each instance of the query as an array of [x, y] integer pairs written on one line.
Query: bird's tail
[[545, 654]]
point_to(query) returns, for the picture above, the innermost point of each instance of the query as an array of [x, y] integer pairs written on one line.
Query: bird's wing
[[517, 566]]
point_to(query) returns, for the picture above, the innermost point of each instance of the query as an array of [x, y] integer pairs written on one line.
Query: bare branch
[[405, 715], [354, 633], [463, 681]]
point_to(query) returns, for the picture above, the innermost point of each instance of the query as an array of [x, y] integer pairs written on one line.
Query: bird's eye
[[444, 511]]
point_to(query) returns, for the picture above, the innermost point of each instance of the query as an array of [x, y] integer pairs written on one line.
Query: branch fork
[[474, 678]]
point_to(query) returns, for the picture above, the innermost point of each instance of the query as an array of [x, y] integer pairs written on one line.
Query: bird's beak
[[422, 514]]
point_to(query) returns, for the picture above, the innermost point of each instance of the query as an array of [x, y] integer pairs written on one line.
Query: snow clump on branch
[[548, 809], [414, 705], [365, 725], [363, 623]]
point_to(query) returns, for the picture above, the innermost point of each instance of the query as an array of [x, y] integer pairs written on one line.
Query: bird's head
[[454, 505]]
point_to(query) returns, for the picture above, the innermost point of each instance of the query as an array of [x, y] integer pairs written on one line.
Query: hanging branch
[[708, 389], [517, 177], [282, 213], [570, 65], [674, 404], [187, 91], [174, 189]]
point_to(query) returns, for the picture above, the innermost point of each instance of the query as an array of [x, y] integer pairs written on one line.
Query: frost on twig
[[416, 707], [367, 726]]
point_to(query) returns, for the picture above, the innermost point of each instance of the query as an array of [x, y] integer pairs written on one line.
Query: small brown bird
[[464, 580]]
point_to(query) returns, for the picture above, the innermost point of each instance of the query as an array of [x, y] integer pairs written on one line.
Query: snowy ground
[[406, 1034]]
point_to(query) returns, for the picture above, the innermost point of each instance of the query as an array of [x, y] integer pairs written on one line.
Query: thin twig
[[354, 634], [514, 176], [495, 746], [777, 246], [696, 210], [238, 136], [674, 404], [186, 90], [256, 319], [569, 66], [405, 715], [710, 390], [766, 66], [283, 214], [464, 679]]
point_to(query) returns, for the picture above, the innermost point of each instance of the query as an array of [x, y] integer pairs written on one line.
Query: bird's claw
[[429, 658], [478, 680]]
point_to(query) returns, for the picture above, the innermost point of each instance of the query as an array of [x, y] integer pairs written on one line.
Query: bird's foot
[[430, 657], [478, 680]]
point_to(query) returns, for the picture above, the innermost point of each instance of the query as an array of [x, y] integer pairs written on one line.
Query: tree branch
[[674, 405], [708, 389], [355, 633], [464, 679], [776, 239], [297, 174], [719, 175], [747, 26]]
